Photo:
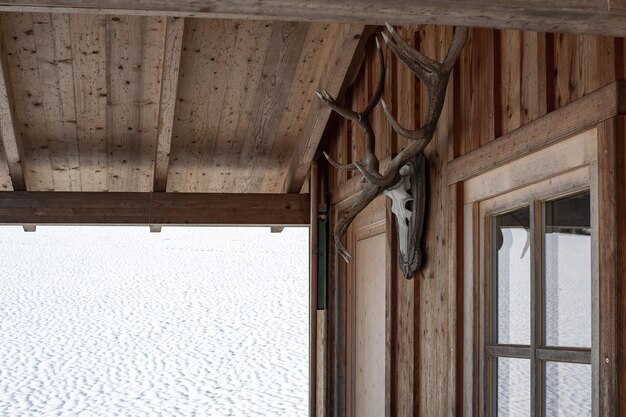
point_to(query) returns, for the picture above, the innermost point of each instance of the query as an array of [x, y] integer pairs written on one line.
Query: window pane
[[567, 272], [567, 390], [513, 389], [511, 295]]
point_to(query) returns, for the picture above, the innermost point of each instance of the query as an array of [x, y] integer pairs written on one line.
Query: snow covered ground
[[117, 321]]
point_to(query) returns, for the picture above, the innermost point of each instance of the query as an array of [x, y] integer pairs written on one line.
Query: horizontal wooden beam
[[605, 17], [79, 208], [235, 209], [579, 115]]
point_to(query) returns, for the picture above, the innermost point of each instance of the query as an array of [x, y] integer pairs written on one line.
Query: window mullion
[[535, 308]]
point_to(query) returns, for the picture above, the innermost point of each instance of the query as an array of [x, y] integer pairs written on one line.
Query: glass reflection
[[567, 272], [512, 278], [513, 398], [567, 390]]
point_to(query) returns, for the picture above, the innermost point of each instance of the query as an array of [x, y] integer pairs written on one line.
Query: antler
[[370, 162], [435, 76]]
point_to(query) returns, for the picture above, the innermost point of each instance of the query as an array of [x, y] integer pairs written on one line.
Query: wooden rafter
[[11, 141], [344, 61], [120, 208], [169, 85], [605, 17], [279, 69]]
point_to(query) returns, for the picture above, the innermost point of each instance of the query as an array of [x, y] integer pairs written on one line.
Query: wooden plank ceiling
[[145, 103]]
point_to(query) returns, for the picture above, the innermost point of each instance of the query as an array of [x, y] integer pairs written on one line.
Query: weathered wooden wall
[[503, 80]]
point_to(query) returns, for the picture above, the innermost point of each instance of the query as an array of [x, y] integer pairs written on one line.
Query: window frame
[[588, 159], [536, 352]]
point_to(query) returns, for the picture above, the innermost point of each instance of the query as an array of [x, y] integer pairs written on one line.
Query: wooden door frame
[[375, 219]]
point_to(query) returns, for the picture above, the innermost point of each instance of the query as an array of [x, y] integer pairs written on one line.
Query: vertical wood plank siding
[[502, 81]]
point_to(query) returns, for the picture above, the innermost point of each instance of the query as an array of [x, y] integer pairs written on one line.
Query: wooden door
[[368, 277]]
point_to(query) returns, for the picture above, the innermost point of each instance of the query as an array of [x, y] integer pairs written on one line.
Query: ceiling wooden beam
[[279, 69], [169, 86], [11, 141], [605, 17], [175, 209], [343, 63]]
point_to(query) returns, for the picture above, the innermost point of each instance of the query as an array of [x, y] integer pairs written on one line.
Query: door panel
[[367, 338], [370, 326]]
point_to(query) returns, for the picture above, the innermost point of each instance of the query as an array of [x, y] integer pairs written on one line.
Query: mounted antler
[[435, 76], [361, 118]]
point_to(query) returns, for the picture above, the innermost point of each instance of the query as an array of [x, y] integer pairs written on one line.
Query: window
[[539, 309]]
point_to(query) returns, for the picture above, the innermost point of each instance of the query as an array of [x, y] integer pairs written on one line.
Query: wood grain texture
[[134, 61], [74, 208], [509, 52], [321, 385], [279, 70], [437, 374], [167, 104], [620, 320], [568, 84], [97, 103], [153, 208], [476, 91], [578, 115], [521, 82], [5, 175], [407, 306], [300, 99], [255, 83], [407, 108], [367, 349], [54, 50], [589, 16], [242, 209], [496, 111], [244, 79], [314, 244], [88, 34], [566, 155], [609, 182], [534, 84], [13, 148], [336, 69]]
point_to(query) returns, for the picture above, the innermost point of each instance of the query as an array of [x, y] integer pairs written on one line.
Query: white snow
[[116, 321], [568, 322]]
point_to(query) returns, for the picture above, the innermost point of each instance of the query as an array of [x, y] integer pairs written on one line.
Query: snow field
[[116, 321]]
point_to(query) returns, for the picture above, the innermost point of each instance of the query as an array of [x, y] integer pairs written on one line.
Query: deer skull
[[408, 204]]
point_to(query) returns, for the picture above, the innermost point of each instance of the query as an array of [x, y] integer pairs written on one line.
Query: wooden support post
[[313, 234]]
